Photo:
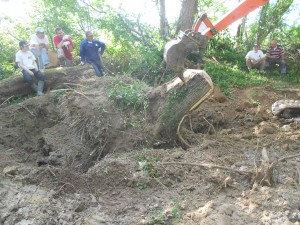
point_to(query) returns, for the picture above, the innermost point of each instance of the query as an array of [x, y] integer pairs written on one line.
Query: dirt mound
[[77, 157]]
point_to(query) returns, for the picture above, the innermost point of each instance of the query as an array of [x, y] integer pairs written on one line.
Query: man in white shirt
[[26, 61], [39, 45], [255, 59]]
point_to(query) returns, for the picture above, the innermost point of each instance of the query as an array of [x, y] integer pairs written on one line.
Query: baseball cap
[[89, 33], [39, 30], [255, 45], [23, 43]]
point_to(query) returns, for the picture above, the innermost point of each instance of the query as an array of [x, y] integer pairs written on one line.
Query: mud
[[57, 170]]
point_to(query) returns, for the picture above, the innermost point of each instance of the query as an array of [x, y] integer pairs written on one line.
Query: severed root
[[264, 174], [227, 181]]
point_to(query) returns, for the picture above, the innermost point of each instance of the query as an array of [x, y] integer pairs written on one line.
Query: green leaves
[[128, 94]]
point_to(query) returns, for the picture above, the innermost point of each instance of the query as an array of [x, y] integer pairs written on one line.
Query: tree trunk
[[169, 102], [187, 12], [241, 29], [54, 79], [163, 20]]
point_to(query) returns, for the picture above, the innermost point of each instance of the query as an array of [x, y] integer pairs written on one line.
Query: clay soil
[[56, 170]]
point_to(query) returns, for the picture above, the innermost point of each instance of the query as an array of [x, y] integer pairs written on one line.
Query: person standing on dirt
[[26, 61], [275, 55], [255, 59], [64, 46], [91, 51], [39, 45]]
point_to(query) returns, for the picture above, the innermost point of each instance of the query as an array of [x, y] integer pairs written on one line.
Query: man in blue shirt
[[90, 52]]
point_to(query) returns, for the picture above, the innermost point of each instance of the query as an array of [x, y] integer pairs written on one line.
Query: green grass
[[229, 76]]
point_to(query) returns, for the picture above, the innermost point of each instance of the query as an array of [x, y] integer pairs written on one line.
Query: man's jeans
[[270, 64], [42, 57], [38, 75], [97, 67]]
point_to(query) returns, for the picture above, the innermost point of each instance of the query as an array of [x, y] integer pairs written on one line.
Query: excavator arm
[[177, 50]]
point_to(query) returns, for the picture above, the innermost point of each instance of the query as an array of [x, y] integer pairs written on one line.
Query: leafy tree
[[270, 18], [134, 47]]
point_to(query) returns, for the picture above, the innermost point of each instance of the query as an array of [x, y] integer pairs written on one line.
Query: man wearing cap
[[91, 51], [39, 44], [255, 59], [26, 61], [65, 45], [275, 55]]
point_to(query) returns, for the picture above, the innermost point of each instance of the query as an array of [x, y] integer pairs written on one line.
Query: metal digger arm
[[241, 10]]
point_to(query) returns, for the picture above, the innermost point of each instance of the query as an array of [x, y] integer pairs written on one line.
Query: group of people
[[274, 55], [32, 58], [91, 51]]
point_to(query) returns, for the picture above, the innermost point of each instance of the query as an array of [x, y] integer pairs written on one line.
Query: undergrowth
[[128, 94]]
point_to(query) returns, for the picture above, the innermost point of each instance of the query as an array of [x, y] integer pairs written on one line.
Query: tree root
[[264, 174], [261, 176], [6, 100], [210, 166]]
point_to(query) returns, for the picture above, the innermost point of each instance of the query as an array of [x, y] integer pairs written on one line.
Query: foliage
[[146, 163], [222, 47], [7, 69], [136, 48], [19, 100], [69, 15], [9, 45], [128, 94], [270, 19], [171, 216], [228, 77], [214, 9]]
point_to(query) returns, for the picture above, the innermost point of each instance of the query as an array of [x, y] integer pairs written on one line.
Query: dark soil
[[66, 160]]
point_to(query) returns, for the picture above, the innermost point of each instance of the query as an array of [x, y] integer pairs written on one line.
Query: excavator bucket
[[178, 49]]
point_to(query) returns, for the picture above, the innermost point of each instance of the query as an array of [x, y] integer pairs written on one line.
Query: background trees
[[135, 47]]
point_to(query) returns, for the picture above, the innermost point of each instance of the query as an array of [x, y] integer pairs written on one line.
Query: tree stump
[[169, 102]]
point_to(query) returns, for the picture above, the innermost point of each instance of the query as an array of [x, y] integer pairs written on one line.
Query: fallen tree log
[[54, 79]]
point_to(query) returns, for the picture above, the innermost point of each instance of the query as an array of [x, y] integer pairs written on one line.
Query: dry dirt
[[65, 161]]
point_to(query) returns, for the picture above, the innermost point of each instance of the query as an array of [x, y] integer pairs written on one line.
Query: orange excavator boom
[[241, 10]]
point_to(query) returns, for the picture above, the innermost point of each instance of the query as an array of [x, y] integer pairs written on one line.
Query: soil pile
[[78, 157]]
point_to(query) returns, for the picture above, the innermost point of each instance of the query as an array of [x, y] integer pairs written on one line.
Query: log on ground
[[55, 78]]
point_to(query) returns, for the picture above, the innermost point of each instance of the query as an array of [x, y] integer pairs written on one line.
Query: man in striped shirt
[[275, 55]]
